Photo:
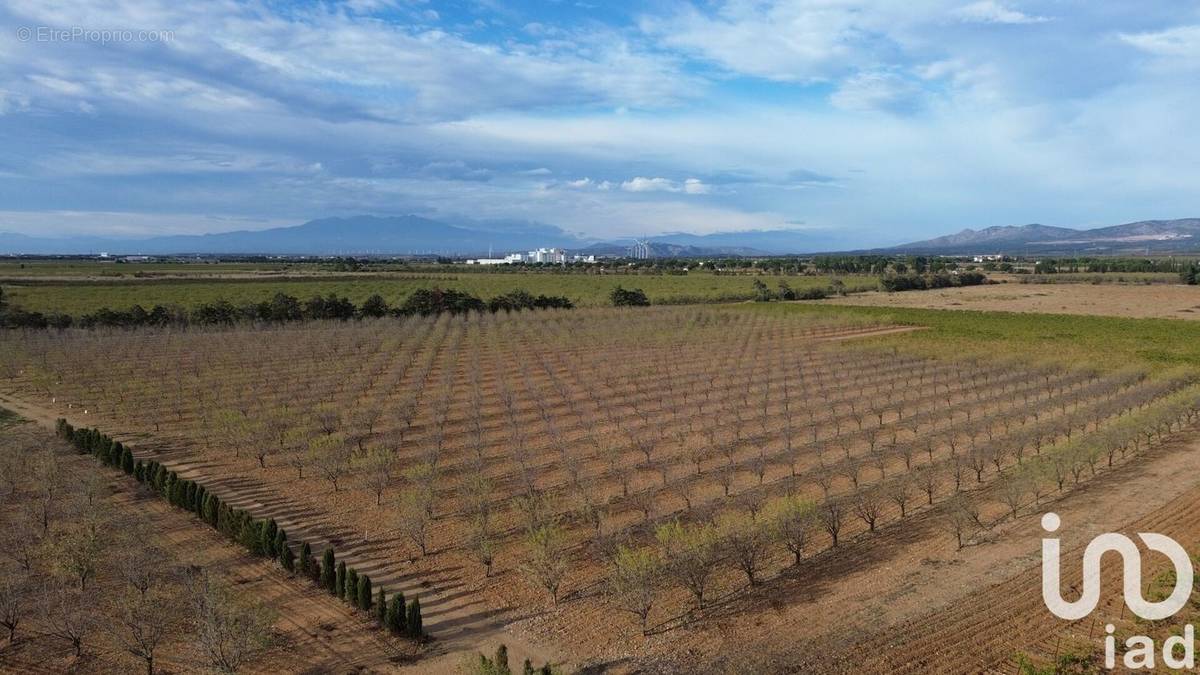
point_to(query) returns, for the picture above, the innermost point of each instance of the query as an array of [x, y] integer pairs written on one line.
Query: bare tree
[[15, 593], [867, 504], [71, 617], [145, 620], [831, 514], [231, 628], [900, 491], [746, 542]]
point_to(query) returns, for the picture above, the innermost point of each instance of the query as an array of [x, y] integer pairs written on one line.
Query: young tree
[[413, 517], [330, 456], [340, 580], [547, 562], [745, 541], [691, 554], [634, 580], [375, 465], [792, 520]]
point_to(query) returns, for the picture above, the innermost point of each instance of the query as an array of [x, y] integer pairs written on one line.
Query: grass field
[[1103, 341], [79, 297]]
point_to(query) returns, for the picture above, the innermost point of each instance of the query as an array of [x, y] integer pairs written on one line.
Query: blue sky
[[863, 122]]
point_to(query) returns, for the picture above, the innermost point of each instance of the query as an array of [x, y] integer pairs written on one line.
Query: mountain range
[[1141, 238], [411, 235], [416, 235]]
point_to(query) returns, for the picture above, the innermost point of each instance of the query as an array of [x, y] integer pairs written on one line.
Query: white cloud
[[990, 11], [1179, 41], [877, 91], [691, 186]]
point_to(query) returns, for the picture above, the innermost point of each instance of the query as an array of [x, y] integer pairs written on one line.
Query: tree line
[[261, 537], [284, 308], [893, 283]]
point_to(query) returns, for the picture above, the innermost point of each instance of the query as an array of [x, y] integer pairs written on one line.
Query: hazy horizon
[[869, 123]]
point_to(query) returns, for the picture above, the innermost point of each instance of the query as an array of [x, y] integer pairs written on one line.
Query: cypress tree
[[250, 537], [127, 462], [339, 580], [413, 622], [306, 561], [139, 472], [527, 669], [280, 545], [351, 592], [381, 607], [287, 559], [328, 579], [200, 501], [364, 593], [501, 660], [395, 615], [266, 542]]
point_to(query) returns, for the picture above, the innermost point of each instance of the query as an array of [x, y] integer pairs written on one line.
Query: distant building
[[556, 256]]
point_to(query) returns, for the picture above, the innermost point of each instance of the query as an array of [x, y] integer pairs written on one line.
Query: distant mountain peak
[[1157, 236]]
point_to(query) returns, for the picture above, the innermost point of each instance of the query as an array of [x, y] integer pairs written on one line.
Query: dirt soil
[[314, 633], [1135, 301]]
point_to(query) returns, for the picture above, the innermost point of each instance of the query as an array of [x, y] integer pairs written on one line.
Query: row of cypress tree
[[261, 537]]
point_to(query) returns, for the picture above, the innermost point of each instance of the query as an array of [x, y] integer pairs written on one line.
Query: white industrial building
[[555, 256]]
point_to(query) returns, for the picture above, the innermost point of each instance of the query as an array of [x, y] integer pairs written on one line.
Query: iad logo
[[1178, 652], [1132, 561]]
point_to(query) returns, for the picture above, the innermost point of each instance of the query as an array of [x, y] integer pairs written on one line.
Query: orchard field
[[631, 487], [82, 289]]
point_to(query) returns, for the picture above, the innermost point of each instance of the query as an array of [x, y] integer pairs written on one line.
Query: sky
[[868, 123]]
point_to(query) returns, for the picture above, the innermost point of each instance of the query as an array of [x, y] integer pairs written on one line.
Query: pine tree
[[328, 579], [413, 621], [381, 607], [339, 580], [396, 621], [364, 593], [306, 559], [350, 594]]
